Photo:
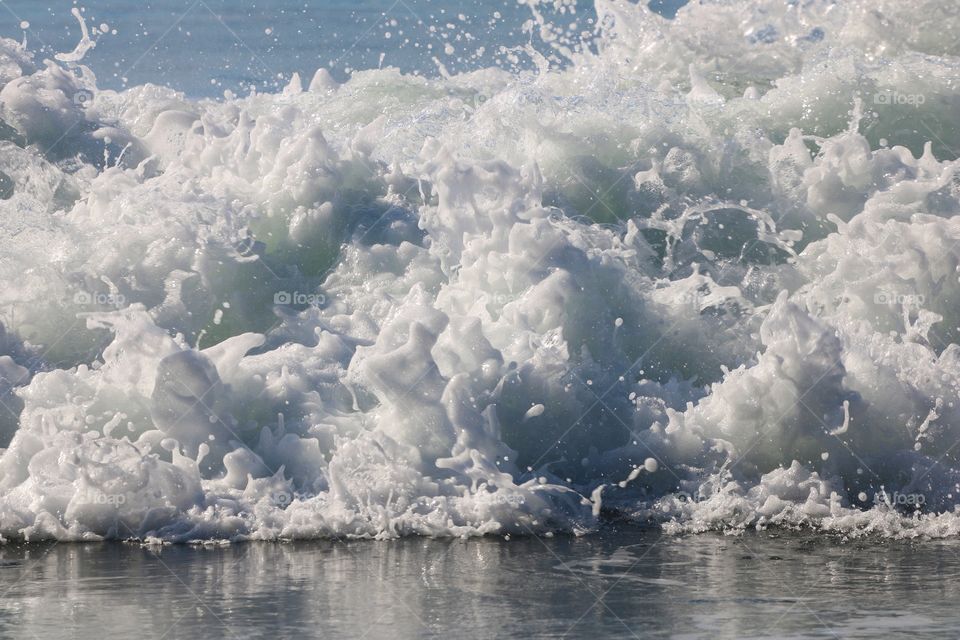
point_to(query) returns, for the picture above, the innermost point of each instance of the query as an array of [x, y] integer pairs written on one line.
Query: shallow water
[[620, 584]]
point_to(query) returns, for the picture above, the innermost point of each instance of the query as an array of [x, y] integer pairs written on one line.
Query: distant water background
[[203, 47]]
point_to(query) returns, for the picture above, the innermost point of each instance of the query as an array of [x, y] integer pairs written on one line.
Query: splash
[[702, 272], [85, 45]]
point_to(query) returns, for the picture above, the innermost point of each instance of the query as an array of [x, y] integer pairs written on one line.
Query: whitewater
[[701, 273]]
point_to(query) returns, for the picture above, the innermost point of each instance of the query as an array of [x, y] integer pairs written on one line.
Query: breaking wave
[[704, 272]]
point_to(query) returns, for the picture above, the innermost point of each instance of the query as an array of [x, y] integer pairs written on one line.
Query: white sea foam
[[705, 273]]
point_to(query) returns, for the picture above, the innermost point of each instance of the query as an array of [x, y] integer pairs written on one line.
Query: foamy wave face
[[704, 274]]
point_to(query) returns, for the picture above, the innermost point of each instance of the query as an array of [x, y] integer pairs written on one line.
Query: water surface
[[619, 584]]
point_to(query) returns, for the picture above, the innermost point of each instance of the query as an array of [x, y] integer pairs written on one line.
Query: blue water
[[203, 47]]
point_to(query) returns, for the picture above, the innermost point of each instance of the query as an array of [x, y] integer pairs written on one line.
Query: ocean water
[[204, 47], [300, 271], [621, 584]]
